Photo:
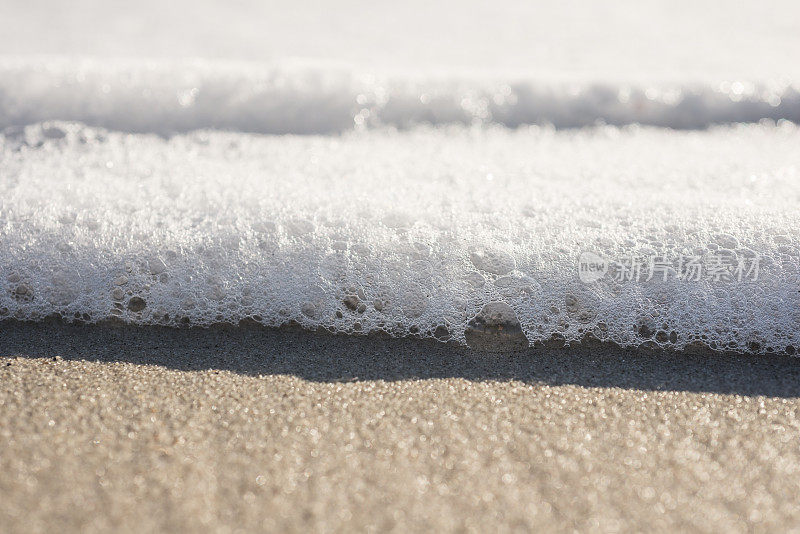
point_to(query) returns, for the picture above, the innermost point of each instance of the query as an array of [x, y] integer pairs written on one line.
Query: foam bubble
[[402, 232]]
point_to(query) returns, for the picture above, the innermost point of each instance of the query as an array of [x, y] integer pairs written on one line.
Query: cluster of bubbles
[[410, 233]]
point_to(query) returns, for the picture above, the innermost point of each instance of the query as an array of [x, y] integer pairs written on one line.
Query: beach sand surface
[[156, 429]]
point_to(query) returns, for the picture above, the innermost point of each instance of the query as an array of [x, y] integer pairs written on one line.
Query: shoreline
[[214, 347], [555, 343]]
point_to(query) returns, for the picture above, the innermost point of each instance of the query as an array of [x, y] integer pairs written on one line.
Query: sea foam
[[409, 231], [167, 97]]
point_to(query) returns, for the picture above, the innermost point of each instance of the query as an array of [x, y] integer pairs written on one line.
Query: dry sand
[[218, 430]]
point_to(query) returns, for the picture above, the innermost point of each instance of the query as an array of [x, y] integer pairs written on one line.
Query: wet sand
[[217, 430]]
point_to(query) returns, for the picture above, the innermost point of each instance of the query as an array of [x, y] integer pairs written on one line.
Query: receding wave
[[168, 98], [413, 232]]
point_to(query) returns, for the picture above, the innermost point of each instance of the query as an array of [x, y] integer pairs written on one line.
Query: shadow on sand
[[327, 358]]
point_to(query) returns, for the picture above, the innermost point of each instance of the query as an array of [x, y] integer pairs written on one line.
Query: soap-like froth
[[411, 232], [169, 97]]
